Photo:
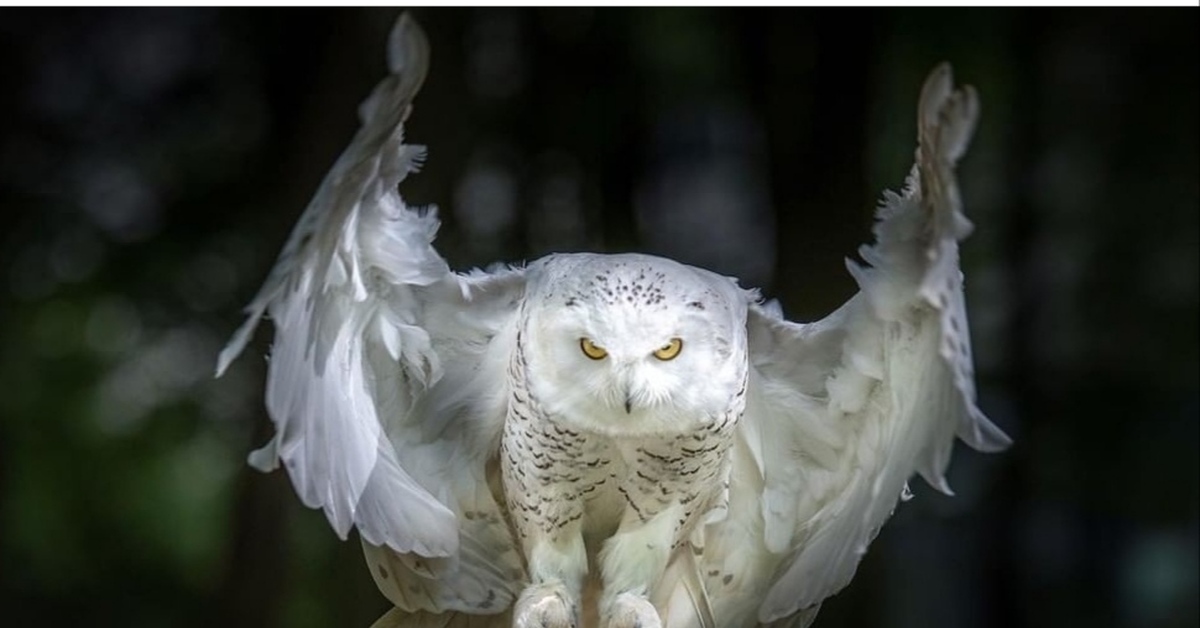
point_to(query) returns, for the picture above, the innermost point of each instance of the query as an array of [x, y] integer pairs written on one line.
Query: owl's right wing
[[840, 413], [387, 379]]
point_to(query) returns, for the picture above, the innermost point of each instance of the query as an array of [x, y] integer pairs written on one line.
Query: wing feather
[[386, 367], [842, 412]]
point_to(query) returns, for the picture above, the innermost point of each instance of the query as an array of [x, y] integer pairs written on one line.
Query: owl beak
[[628, 404]]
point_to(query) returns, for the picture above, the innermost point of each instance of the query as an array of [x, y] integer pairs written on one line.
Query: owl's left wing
[[387, 378], [842, 412]]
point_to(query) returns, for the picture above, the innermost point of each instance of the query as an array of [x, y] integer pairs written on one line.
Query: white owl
[[607, 440]]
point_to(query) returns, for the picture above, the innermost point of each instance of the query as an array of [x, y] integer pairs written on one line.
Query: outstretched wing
[[387, 375], [842, 412]]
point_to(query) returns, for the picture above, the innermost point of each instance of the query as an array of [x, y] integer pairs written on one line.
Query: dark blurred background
[[153, 161]]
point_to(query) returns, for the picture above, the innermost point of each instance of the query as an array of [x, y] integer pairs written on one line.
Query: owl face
[[634, 345]]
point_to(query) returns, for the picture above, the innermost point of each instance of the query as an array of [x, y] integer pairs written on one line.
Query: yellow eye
[[592, 350], [669, 350]]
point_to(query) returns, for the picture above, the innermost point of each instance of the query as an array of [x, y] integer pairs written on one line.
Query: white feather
[[356, 356], [835, 451]]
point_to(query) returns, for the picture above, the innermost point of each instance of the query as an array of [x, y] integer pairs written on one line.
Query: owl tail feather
[[682, 600]]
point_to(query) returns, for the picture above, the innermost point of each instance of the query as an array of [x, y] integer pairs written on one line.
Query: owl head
[[633, 344]]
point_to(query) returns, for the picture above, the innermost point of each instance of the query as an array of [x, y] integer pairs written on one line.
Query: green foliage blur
[[152, 162]]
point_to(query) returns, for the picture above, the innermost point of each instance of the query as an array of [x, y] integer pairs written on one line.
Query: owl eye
[[669, 350], [592, 350]]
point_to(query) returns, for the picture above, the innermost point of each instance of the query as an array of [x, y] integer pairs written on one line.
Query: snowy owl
[[607, 440]]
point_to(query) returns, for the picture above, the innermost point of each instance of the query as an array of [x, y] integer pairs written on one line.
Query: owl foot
[[544, 606], [629, 610]]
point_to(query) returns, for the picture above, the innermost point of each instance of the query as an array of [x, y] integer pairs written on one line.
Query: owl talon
[[544, 606], [629, 610]]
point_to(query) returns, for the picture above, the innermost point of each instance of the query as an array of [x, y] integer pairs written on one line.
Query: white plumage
[[615, 439]]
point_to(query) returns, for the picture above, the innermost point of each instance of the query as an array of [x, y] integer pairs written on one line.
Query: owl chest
[[555, 476]]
